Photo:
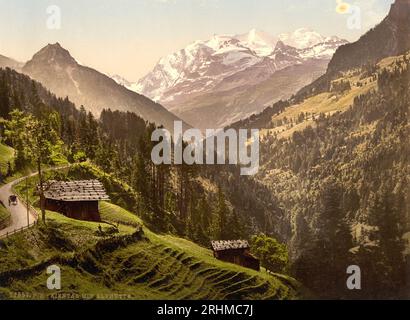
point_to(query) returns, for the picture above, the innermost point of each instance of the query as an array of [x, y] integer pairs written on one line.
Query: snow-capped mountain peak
[[220, 42], [204, 64], [121, 80], [199, 66], [260, 42], [302, 38]]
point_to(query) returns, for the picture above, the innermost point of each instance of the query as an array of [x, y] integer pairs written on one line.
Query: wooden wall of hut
[[80, 210]]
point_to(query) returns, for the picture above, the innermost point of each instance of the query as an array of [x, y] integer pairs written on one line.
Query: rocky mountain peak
[[281, 46], [53, 54]]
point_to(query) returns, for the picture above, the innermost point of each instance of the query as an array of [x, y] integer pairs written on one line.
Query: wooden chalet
[[237, 252], [76, 199]]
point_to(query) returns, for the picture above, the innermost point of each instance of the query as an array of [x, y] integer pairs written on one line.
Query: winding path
[[19, 211]]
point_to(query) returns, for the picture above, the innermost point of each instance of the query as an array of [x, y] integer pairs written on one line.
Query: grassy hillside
[[6, 155], [282, 119], [125, 263], [3, 212], [326, 103]]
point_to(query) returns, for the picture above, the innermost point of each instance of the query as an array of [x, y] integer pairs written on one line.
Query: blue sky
[[128, 37]]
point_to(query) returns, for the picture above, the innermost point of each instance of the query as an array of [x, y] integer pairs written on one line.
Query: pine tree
[[221, 227], [4, 98], [328, 248], [236, 226], [386, 214]]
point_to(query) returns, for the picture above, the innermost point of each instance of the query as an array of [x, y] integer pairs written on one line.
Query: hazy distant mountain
[[227, 66], [121, 80], [221, 108], [305, 38], [55, 68], [6, 62]]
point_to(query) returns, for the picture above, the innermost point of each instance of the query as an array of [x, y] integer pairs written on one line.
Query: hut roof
[[230, 245], [84, 190]]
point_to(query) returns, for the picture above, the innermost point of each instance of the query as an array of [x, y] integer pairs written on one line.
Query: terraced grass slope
[[130, 264]]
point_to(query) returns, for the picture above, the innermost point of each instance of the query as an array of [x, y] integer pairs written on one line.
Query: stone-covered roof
[[230, 245], [84, 190]]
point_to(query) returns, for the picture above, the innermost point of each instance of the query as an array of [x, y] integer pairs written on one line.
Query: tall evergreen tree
[[221, 229]]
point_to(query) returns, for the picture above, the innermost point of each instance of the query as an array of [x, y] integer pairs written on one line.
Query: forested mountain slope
[[338, 165]]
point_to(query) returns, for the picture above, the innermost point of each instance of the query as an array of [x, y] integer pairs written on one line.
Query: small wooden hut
[[237, 252], [76, 199]]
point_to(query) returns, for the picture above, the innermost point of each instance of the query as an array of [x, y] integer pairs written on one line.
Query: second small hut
[[237, 252]]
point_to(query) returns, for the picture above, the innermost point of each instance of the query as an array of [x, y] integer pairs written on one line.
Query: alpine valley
[[331, 195]]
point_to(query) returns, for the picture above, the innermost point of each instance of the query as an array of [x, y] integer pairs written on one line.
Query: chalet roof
[[230, 245], [83, 190]]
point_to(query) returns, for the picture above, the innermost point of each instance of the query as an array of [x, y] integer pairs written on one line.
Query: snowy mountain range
[[203, 64], [228, 62]]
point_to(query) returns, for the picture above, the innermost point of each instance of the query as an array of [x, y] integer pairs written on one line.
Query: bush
[[272, 254]]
